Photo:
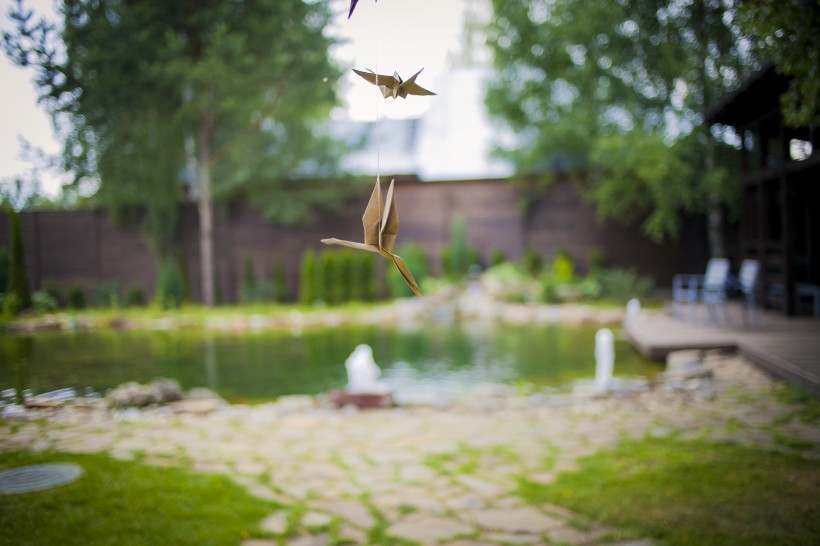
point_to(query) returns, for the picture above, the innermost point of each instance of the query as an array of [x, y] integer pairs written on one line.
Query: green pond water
[[423, 363]]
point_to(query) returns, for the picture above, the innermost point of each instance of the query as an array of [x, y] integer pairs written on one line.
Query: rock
[[310, 540], [202, 393], [197, 406], [14, 412], [682, 359], [516, 520], [276, 523], [132, 394], [428, 529], [316, 520], [295, 403]]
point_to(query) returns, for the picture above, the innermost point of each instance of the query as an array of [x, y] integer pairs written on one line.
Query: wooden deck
[[787, 347]]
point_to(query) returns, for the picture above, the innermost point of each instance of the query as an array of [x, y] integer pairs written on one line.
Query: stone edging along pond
[[401, 312]]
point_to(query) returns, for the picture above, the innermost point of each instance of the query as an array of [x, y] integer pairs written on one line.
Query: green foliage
[[603, 91], [107, 294], [135, 297], [11, 305], [548, 292], [591, 287], [509, 282], [164, 506], [171, 290], [53, 289], [415, 257], [458, 255], [367, 270], [562, 267], [786, 33], [247, 292], [344, 277], [532, 262], [693, 492], [497, 256], [307, 273], [325, 286], [75, 296], [596, 261], [279, 282], [43, 301], [17, 277], [621, 285]]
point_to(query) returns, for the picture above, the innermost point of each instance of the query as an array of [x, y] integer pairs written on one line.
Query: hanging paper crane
[[353, 6], [381, 225], [394, 86]]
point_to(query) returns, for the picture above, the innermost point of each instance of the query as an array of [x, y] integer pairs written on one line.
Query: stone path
[[425, 475]]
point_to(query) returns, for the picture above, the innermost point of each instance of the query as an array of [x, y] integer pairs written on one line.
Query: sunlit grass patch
[[116, 502], [693, 492]]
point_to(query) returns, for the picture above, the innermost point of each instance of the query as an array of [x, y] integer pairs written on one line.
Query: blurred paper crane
[[353, 6], [381, 224], [394, 86]]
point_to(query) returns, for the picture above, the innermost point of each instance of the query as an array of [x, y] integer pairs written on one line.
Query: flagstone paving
[[422, 475]]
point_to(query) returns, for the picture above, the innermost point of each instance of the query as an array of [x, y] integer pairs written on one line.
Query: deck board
[[788, 347]]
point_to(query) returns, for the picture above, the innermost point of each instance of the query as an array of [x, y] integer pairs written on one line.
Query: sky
[[389, 36]]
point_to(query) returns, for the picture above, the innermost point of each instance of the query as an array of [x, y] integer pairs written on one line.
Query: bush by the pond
[[53, 289], [279, 284], [563, 268], [509, 282], [135, 296], [415, 257], [307, 272], [621, 285], [458, 256], [532, 262], [17, 275], [497, 257], [43, 301], [75, 296], [107, 294], [170, 286]]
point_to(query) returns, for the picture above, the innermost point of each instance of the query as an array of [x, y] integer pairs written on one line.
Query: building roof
[[755, 96]]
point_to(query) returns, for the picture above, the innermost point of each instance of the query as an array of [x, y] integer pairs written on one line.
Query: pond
[[423, 363]]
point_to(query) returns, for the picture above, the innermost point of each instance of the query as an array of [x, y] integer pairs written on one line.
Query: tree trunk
[[205, 206]]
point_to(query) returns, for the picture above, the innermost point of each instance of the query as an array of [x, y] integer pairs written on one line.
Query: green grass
[[693, 493], [123, 503]]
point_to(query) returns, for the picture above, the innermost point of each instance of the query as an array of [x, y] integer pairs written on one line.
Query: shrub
[[307, 272], [445, 257], [415, 257], [591, 288], [43, 301], [18, 278], [106, 294], [342, 277], [279, 284], [549, 288], [170, 286], [247, 292], [75, 296], [11, 305], [621, 285], [497, 257], [53, 290], [135, 296], [596, 261], [328, 277], [509, 282], [367, 270], [563, 268], [532, 262]]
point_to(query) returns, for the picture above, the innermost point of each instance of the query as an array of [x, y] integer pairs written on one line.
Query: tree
[[18, 286], [586, 83], [225, 91], [788, 33]]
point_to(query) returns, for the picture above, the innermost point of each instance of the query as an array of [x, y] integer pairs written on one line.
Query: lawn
[[693, 493], [118, 503]]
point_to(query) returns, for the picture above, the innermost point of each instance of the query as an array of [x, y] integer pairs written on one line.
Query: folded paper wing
[[381, 226], [394, 86]]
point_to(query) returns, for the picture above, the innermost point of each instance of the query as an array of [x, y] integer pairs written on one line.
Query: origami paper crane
[[353, 6], [381, 224], [394, 86]]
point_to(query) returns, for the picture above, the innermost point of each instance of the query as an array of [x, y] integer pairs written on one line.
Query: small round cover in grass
[[119, 503]]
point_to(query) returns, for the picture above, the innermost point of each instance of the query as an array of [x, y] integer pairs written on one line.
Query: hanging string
[[378, 120]]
